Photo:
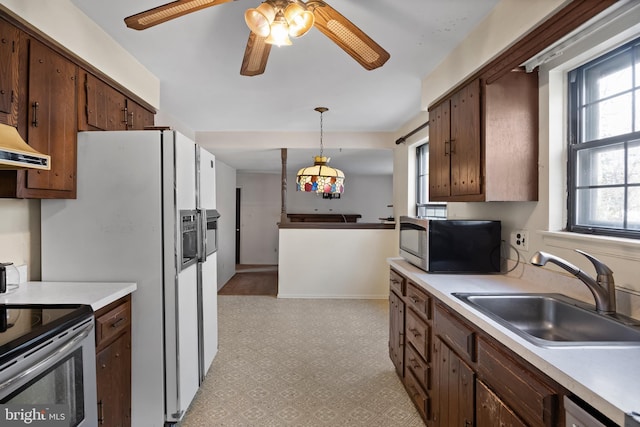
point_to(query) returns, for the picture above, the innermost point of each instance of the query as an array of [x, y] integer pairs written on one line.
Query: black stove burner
[[23, 326]]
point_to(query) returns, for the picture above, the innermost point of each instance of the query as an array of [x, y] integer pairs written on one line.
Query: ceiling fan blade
[[255, 56], [166, 12], [345, 34]]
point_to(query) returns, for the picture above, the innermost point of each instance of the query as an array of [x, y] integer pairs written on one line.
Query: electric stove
[[24, 326]]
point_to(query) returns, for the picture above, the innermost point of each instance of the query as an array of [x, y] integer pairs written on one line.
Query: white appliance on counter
[[140, 216]]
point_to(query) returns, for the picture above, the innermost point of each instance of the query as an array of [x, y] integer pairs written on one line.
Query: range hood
[[17, 154]]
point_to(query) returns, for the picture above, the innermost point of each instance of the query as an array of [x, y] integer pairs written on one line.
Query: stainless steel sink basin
[[554, 320]]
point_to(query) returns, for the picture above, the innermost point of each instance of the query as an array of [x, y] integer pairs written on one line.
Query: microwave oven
[[451, 246]]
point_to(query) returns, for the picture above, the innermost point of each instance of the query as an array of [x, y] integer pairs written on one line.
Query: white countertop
[[606, 378], [95, 294]]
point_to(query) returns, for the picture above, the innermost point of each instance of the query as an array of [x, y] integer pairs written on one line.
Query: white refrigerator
[[142, 202]]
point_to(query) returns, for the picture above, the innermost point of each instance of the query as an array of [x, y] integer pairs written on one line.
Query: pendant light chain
[[321, 110], [321, 146]]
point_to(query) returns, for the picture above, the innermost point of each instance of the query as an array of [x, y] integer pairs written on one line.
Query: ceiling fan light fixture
[[279, 34], [300, 20], [259, 19]]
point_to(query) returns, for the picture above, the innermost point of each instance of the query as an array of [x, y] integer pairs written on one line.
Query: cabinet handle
[[118, 322], [446, 147], [130, 125], [100, 412], [125, 114], [415, 332], [451, 146], [35, 107]]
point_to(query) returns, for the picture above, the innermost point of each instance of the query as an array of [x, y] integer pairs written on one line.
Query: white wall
[[226, 206], [20, 234], [334, 263], [367, 195]]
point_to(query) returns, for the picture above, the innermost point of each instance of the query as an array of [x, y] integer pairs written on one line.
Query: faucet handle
[[601, 267]]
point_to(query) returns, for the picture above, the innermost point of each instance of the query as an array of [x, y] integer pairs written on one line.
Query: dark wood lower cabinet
[[396, 332], [113, 370], [113, 364], [453, 399], [457, 375], [491, 411]]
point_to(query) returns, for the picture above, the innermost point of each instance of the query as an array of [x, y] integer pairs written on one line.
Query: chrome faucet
[[603, 287]]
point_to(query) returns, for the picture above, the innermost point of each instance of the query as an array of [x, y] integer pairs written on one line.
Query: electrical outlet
[[520, 239]]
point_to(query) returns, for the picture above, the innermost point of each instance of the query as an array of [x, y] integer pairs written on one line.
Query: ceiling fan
[[272, 22]]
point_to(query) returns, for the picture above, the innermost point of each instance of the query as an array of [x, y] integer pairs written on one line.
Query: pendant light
[[321, 178]]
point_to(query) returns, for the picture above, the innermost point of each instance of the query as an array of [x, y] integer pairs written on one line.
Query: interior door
[[238, 198]]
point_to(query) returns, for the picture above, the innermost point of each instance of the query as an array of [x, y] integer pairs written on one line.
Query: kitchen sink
[[554, 320]]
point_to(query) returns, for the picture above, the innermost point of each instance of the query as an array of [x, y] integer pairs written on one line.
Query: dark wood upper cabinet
[[102, 107], [483, 141], [9, 50], [52, 122], [138, 117], [49, 94], [46, 121]]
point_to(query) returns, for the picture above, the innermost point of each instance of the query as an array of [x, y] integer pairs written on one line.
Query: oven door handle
[[50, 359]]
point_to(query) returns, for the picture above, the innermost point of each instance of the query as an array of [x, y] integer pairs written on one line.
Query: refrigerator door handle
[[202, 235]]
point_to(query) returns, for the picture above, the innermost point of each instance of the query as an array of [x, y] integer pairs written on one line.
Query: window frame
[[576, 128], [439, 209]]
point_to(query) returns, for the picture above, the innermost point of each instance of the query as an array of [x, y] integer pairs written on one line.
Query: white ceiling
[[197, 58]]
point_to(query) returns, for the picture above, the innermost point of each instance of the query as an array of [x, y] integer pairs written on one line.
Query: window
[[424, 209], [604, 144]]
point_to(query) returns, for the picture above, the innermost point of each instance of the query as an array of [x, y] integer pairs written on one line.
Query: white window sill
[[628, 249]]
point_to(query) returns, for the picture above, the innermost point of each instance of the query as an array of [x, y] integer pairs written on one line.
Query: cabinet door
[[113, 377], [9, 46], [138, 116], [465, 141], [52, 121], [396, 332], [116, 110], [453, 389], [439, 145], [95, 104], [491, 411]]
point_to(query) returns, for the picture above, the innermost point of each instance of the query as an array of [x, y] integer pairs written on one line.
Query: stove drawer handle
[[50, 359]]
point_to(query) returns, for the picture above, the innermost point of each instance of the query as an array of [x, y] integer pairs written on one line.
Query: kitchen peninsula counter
[[339, 225], [604, 377], [95, 294]]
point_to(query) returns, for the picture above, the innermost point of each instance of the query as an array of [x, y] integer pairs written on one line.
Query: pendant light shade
[[321, 178]]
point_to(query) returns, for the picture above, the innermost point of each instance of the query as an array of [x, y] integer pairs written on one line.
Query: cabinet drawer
[[419, 300], [418, 367], [397, 282], [113, 322], [419, 397], [457, 334], [517, 385], [418, 333]]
